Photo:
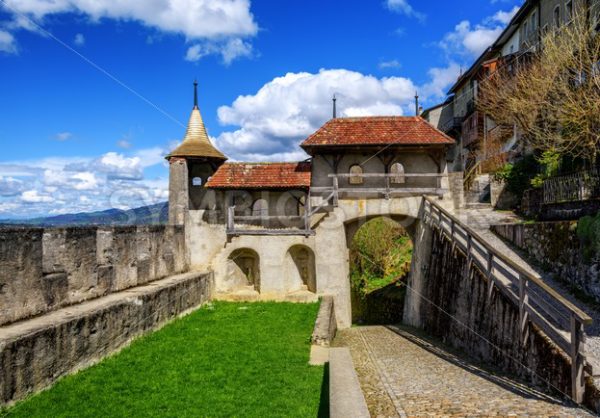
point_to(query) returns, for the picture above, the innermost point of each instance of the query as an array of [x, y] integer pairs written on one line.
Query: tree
[[552, 94]]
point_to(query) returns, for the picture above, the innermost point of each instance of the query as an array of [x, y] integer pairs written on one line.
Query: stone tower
[[190, 166]]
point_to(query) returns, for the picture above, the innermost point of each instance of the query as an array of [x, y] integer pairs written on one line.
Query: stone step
[[478, 205]]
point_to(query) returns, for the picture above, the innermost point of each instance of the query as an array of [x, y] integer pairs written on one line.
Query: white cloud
[[404, 7], [389, 64], [505, 17], [8, 43], [32, 196], [441, 79], [117, 166], [79, 39], [85, 181], [10, 186], [8, 207], [63, 136], [273, 121], [471, 40], [223, 24], [195, 19], [67, 185], [123, 143], [228, 50]]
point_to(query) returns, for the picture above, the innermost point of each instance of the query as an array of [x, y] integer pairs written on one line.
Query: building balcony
[[472, 129], [452, 124], [264, 224], [324, 199], [375, 185]]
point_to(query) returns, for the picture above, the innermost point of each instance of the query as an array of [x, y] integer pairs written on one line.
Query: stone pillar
[[178, 191], [419, 269]]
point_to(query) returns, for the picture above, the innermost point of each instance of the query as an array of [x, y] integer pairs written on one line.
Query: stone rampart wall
[[452, 301], [42, 270], [555, 247], [35, 353]]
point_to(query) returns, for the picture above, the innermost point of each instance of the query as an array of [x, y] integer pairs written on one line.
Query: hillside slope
[[146, 215]]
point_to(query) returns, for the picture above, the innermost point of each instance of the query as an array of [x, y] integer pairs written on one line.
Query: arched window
[[260, 207], [397, 172], [356, 172], [197, 181]]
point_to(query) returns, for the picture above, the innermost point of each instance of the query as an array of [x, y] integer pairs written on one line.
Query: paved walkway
[[404, 375]]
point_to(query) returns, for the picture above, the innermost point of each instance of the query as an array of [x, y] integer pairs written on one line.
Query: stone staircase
[[479, 194]]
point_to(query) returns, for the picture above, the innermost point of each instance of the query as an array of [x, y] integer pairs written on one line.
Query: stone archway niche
[[299, 269], [243, 269]]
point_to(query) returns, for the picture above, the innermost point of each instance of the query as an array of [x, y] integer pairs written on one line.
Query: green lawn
[[223, 360]]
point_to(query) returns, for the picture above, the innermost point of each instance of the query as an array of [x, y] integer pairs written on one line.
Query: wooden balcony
[[386, 186], [344, 186], [472, 129], [267, 224]]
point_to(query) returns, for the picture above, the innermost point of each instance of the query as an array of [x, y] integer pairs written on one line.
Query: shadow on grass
[[324, 402]]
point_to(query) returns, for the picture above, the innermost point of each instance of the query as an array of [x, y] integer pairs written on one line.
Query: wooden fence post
[[230, 216], [577, 356], [336, 187], [523, 302]]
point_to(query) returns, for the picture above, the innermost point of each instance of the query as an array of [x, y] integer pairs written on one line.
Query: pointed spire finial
[[195, 94], [334, 107]]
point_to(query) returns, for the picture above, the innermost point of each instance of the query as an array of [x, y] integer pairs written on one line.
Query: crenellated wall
[[46, 269]]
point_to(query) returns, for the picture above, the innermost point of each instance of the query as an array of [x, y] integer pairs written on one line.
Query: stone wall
[[457, 189], [36, 352], [44, 269], [557, 249], [501, 198], [451, 301]]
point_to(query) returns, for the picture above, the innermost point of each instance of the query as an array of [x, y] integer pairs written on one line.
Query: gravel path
[[404, 375]]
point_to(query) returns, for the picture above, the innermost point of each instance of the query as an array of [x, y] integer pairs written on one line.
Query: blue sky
[[94, 94]]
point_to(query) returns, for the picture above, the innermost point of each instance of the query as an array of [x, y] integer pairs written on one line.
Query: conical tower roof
[[196, 143]]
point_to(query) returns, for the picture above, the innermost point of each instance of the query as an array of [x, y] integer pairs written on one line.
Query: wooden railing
[[575, 187], [538, 303], [264, 224], [383, 185]]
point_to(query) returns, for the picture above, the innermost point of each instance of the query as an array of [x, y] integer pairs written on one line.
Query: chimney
[[334, 107], [417, 107]]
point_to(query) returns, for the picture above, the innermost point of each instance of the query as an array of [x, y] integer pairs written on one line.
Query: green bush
[[380, 253], [518, 176]]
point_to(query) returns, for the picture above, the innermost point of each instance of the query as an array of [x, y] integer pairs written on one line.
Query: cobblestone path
[[404, 375]]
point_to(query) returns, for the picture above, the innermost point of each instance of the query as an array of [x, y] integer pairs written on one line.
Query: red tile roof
[[261, 176], [377, 130]]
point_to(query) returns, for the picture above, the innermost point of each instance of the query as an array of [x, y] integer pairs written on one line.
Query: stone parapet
[[36, 352], [42, 270]]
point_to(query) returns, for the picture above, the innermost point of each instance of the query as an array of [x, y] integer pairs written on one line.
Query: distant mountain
[[146, 215]]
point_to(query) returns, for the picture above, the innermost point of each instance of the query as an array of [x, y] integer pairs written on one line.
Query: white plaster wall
[[331, 253], [413, 162], [210, 249], [204, 240], [272, 252]]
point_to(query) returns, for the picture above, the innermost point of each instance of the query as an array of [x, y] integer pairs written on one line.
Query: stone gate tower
[[190, 166]]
